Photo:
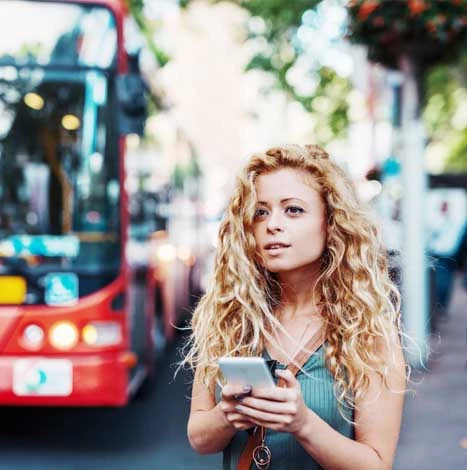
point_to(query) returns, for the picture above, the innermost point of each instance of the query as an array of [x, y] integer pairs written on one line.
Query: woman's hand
[[278, 408], [230, 398]]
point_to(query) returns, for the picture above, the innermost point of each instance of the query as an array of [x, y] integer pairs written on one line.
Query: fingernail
[[247, 388]]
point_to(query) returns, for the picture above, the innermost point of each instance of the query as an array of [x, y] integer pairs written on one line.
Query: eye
[[295, 210], [260, 212]]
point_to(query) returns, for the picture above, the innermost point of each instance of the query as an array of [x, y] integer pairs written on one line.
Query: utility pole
[[414, 181]]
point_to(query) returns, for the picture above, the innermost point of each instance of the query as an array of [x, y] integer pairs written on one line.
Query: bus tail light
[[102, 334], [129, 359], [63, 335], [33, 337]]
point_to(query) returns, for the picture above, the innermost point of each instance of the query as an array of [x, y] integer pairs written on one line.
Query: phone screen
[[252, 371]]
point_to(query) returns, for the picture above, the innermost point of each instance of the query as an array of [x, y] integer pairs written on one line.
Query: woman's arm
[[377, 421], [377, 425], [211, 426]]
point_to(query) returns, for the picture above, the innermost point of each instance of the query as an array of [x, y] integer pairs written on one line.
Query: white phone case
[[246, 371]]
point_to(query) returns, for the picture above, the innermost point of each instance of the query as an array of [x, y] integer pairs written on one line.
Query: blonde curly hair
[[361, 304]]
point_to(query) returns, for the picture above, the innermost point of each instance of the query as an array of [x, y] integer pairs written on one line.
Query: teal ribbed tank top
[[318, 393]]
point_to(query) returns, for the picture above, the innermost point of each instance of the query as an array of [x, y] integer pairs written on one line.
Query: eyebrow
[[287, 199]]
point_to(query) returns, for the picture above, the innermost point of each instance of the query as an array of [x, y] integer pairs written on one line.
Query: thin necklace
[[261, 453], [299, 343]]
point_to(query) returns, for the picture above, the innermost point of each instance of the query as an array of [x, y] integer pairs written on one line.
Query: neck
[[297, 292]]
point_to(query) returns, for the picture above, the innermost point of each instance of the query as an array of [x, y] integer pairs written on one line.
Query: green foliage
[[183, 172], [328, 105], [281, 20], [456, 161], [282, 17], [430, 31], [31, 50], [440, 102], [136, 8], [178, 177], [446, 92]]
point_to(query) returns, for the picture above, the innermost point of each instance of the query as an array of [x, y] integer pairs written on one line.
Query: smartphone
[[246, 371]]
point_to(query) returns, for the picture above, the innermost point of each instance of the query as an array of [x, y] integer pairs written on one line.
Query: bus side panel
[[94, 375], [98, 380]]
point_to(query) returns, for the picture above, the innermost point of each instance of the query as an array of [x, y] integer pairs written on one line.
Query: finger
[[279, 427], [275, 393], [235, 418], [289, 377], [230, 392], [243, 425], [227, 406], [240, 422], [263, 416], [281, 407]]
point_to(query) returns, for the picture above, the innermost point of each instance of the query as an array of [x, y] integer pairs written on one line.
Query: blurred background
[[122, 126]]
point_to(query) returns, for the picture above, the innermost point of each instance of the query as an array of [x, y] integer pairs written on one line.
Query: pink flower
[[366, 9], [416, 7]]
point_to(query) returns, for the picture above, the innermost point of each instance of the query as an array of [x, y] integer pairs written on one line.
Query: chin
[[286, 267], [276, 268]]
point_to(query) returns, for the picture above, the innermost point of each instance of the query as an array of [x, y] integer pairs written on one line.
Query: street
[[150, 433]]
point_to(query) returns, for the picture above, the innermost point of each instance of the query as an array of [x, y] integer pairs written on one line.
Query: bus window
[[59, 170], [65, 35]]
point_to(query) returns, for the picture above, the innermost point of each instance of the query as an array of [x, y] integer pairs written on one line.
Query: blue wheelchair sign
[[61, 289]]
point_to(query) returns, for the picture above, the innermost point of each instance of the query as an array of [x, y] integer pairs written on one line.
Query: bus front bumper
[[66, 380]]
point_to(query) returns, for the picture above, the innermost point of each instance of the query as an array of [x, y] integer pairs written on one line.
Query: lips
[[275, 246]]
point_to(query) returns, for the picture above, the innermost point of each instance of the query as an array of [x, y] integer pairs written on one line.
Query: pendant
[[262, 457]]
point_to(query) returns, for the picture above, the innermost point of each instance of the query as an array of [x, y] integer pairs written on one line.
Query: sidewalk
[[434, 427]]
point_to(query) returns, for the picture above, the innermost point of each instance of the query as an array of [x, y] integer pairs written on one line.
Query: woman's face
[[290, 221]]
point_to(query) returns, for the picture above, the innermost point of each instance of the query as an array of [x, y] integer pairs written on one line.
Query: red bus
[[78, 320]]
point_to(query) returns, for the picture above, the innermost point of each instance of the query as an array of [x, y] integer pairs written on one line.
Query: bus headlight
[[166, 253], [63, 335], [185, 255], [33, 337], [102, 334]]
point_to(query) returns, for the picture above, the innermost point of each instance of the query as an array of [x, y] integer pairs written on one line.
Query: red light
[[93, 217]]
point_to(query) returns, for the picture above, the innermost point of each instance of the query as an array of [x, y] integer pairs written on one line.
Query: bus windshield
[[59, 174], [57, 34]]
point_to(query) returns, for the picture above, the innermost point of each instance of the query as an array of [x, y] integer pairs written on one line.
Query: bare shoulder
[[394, 363]]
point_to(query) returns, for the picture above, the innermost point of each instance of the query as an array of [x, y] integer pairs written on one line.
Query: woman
[[297, 258]]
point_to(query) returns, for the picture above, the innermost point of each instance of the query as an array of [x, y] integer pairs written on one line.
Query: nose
[[274, 223]]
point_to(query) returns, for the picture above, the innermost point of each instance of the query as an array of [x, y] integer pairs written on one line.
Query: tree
[[273, 27], [411, 35], [432, 35], [429, 31], [147, 29], [432, 32]]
